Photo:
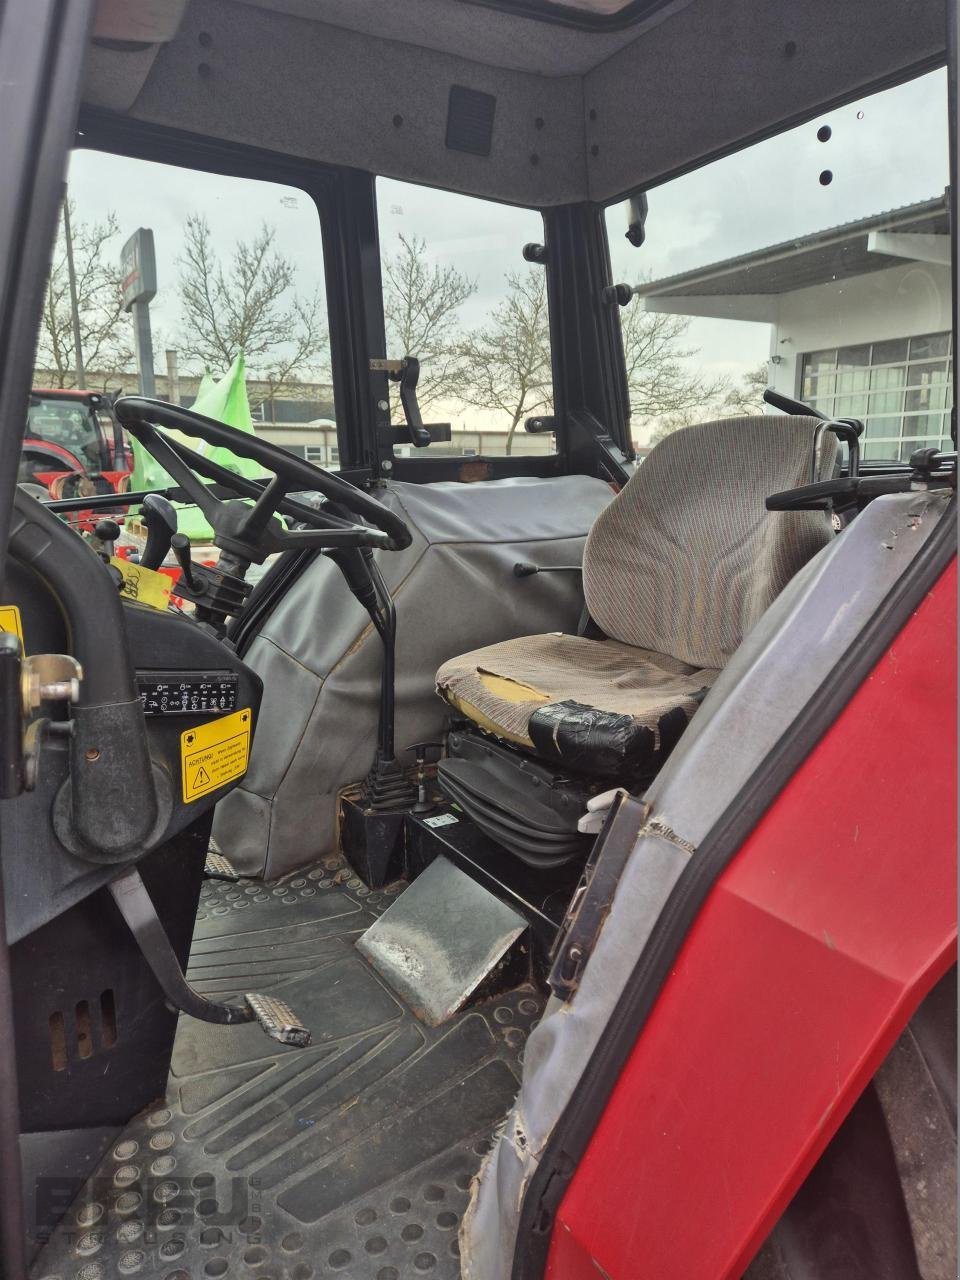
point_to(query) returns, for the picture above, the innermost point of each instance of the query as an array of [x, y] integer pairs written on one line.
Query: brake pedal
[[217, 867], [278, 1020], [136, 906]]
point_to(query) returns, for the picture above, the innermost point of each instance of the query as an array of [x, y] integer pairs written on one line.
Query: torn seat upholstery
[[676, 570]]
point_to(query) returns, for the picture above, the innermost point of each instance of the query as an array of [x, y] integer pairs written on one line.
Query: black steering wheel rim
[[141, 416]]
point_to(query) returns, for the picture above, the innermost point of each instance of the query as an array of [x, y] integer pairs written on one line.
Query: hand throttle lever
[[180, 546], [408, 377]]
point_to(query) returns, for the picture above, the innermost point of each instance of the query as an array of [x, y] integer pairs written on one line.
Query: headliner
[[615, 95]]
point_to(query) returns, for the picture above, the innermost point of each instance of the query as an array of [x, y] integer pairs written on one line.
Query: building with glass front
[[859, 320]]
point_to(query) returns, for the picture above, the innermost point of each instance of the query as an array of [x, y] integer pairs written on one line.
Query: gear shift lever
[[160, 517]]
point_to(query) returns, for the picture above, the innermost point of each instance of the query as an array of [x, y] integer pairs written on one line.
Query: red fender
[[816, 946]]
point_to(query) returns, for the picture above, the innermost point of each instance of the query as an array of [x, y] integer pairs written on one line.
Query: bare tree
[[106, 335], [421, 302], [743, 399], [252, 307], [665, 390], [507, 361], [747, 396]]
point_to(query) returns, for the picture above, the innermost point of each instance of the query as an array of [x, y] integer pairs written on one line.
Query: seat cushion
[[597, 706], [686, 558]]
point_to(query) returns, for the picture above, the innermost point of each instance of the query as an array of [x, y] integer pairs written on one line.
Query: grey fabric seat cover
[[677, 569], [320, 658]]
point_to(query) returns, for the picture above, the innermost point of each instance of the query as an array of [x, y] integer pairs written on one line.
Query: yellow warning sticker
[[10, 621], [146, 586], [211, 755]]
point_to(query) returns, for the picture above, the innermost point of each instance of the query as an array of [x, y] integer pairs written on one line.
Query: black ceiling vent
[[470, 120]]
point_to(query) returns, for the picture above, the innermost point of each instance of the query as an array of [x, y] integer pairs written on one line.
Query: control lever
[[215, 591], [105, 535], [276, 1018], [160, 517], [180, 546], [408, 375], [848, 429], [524, 569], [426, 753]]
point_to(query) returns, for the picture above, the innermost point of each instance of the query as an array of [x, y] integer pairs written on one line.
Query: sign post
[[139, 265]]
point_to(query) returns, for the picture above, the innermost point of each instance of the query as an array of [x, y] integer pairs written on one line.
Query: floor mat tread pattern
[[352, 1158]]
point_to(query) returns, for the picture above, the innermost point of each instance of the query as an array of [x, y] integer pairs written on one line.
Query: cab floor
[[351, 1158]]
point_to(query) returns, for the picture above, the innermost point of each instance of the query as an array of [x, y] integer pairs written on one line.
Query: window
[[72, 424], [459, 296], [816, 263], [324, 455], [239, 273], [900, 389]]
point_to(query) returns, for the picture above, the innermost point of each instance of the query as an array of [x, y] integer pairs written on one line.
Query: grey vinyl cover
[[319, 656], [772, 676]]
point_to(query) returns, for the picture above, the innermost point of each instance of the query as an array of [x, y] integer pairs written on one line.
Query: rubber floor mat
[[352, 1158]]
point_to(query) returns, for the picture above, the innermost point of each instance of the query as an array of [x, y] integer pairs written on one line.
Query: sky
[[884, 151]]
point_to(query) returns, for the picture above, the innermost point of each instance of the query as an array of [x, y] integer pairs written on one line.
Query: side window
[[459, 296], [816, 263], [239, 300]]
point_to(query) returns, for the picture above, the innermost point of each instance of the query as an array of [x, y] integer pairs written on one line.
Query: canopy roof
[[835, 253]]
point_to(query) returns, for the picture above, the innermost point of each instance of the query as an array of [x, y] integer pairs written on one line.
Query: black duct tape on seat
[[593, 741]]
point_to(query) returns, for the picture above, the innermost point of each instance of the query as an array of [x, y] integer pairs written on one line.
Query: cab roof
[[533, 102]]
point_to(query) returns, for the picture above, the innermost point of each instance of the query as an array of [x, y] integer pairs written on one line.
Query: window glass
[[71, 424], [459, 296], [239, 274], [903, 402], [816, 263]]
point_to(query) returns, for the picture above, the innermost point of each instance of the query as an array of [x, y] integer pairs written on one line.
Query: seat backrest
[[686, 558]]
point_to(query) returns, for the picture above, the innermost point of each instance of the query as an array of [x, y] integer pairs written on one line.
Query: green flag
[[225, 401]]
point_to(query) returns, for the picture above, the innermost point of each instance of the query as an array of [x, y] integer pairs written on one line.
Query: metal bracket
[[49, 677], [591, 901]]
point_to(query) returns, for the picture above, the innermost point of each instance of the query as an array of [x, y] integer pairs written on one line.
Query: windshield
[[70, 424]]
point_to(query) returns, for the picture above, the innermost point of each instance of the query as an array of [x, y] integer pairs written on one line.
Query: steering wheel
[[248, 533]]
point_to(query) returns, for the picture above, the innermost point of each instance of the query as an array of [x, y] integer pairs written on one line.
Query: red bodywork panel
[[808, 959]]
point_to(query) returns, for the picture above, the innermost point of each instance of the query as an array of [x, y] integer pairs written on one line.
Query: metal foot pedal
[[217, 867], [445, 941], [136, 906], [278, 1020]]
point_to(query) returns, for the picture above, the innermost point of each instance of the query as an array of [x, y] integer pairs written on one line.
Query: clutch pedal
[[278, 1020], [275, 1018], [217, 867]]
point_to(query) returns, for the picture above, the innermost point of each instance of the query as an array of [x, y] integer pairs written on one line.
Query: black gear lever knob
[[160, 517]]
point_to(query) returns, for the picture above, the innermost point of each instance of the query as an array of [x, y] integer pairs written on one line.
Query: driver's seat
[[676, 570]]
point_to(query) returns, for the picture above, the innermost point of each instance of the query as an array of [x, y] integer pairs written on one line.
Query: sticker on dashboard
[[213, 754], [10, 621]]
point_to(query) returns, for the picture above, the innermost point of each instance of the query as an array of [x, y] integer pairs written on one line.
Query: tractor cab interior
[[305, 836]]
